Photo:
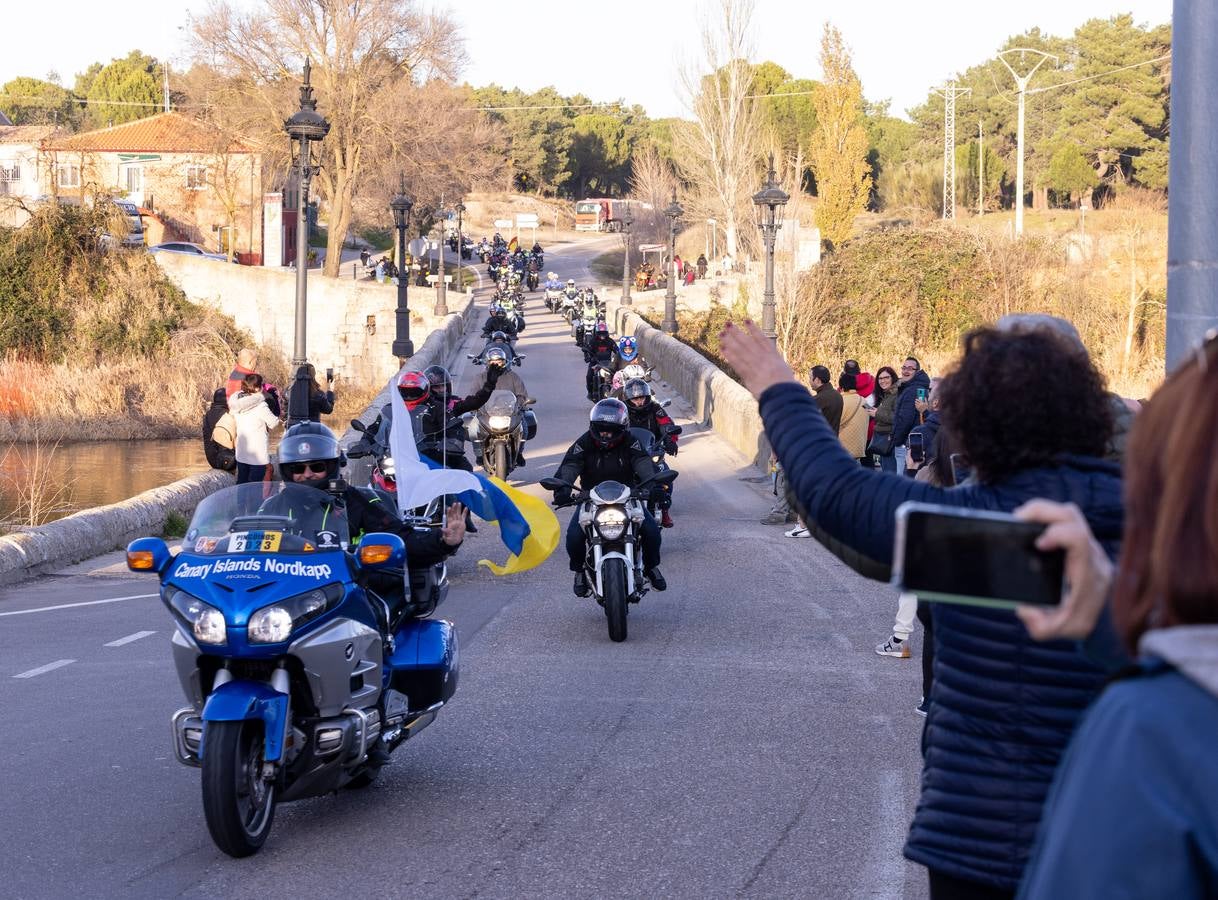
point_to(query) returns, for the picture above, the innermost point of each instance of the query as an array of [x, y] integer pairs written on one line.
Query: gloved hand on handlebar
[[562, 496], [670, 447]]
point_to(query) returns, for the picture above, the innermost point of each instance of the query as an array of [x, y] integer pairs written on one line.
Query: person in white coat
[[254, 424]]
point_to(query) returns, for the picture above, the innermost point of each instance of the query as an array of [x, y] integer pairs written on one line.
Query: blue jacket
[[1003, 706], [905, 416], [1132, 811]]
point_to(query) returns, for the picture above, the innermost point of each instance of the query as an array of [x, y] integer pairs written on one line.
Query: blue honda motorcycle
[[280, 645]]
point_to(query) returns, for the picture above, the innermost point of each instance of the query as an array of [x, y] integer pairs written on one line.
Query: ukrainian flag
[[528, 527]]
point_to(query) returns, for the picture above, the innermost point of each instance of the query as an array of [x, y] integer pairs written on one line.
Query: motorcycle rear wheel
[[613, 579], [238, 804]]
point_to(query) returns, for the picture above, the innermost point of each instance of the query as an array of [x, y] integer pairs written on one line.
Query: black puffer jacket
[[217, 457], [1003, 706]]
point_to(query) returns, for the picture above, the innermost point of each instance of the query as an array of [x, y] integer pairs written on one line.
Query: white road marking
[[49, 667], [23, 612], [128, 639]]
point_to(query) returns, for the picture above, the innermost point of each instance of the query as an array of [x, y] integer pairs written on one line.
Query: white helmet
[[551, 275]]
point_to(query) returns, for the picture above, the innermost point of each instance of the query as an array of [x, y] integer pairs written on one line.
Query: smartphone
[[917, 446], [329, 374], [959, 468], [921, 395], [975, 557]]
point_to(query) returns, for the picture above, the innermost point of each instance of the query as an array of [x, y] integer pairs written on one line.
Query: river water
[[94, 474]]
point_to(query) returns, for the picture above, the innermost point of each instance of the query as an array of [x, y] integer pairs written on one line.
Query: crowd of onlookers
[[244, 412], [1065, 748]]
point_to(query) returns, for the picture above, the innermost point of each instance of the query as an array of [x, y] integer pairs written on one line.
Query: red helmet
[[414, 388]]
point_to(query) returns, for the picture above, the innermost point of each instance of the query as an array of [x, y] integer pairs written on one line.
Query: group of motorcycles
[[301, 679], [501, 260]]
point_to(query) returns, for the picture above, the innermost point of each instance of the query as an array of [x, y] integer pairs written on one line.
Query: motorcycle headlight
[[387, 467], [499, 423], [206, 622], [275, 623], [610, 522]]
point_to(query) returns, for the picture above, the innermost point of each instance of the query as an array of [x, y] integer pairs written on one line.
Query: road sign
[[417, 247], [526, 220], [503, 223]]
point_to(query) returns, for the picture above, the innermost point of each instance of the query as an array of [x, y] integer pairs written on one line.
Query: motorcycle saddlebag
[[530, 425], [424, 663]]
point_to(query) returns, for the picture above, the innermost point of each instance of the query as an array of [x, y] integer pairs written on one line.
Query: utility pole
[[165, 83], [980, 170], [1192, 219], [949, 92], [1021, 88]]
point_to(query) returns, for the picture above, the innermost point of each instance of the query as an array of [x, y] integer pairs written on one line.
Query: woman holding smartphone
[[1002, 706]]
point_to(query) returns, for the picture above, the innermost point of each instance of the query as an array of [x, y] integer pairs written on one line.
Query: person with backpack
[[220, 434]]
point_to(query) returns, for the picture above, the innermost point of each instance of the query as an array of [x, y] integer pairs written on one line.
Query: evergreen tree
[[32, 101]]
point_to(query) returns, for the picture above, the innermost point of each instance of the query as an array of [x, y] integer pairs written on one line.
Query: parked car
[[188, 249]]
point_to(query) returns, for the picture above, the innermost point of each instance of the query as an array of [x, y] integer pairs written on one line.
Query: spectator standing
[[905, 416], [254, 423], [1139, 821], [827, 398], [247, 364], [321, 402], [780, 513], [853, 427], [880, 447], [218, 456], [1002, 707], [702, 265]]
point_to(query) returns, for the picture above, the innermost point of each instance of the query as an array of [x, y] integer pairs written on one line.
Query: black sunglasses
[[301, 468]]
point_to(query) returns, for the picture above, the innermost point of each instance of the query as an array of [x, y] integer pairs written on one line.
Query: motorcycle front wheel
[[499, 461], [613, 578], [238, 804]]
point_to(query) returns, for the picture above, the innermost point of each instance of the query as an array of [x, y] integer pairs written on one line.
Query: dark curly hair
[[1019, 400]]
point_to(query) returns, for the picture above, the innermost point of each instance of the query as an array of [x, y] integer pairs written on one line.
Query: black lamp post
[[769, 201], [674, 212], [403, 348], [460, 207], [441, 307], [305, 127], [627, 221]]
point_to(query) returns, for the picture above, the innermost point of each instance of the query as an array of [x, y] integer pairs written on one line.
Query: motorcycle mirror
[[555, 484], [359, 426], [666, 403]]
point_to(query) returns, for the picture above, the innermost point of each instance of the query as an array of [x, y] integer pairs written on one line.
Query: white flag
[[418, 484]]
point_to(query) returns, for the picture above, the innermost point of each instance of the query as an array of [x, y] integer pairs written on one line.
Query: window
[[196, 178], [134, 179], [11, 172], [68, 175]]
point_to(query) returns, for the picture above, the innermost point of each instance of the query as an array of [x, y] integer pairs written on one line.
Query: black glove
[[562, 496], [670, 447], [492, 374]]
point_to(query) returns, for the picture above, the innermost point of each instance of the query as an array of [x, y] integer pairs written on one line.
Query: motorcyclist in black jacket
[[437, 416], [645, 413], [608, 452], [499, 321], [599, 349], [309, 455]]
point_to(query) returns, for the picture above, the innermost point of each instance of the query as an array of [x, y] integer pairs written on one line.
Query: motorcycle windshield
[[501, 403], [266, 517], [610, 492]]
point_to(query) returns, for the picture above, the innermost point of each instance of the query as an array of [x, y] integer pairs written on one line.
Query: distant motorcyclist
[[599, 348], [552, 282], [500, 321], [309, 455], [536, 248], [496, 358], [608, 452], [645, 413]]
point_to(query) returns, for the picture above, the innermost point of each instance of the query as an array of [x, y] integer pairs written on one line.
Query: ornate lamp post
[[674, 212], [460, 246], [305, 127], [627, 221], [769, 201], [403, 348], [441, 307]]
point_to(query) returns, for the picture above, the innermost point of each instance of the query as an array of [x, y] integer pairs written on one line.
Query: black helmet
[[441, 383], [309, 442], [499, 337], [635, 389], [607, 423]]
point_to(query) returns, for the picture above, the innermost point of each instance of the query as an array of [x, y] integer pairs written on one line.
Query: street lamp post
[[441, 307], [401, 204], [769, 202], [627, 221], [460, 246], [674, 212], [305, 127]]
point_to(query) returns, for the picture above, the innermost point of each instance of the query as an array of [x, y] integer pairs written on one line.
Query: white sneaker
[[894, 646], [798, 532]]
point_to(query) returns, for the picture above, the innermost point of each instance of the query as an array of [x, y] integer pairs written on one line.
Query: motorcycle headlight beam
[[610, 522], [205, 621], [499, 423]]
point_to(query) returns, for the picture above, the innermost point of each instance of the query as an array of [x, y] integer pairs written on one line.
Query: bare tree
[[652, 182], [359, 50], [717, 152], [1137, 211]]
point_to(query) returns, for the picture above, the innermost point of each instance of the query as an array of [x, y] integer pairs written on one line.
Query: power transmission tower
[[1021, 88], [949, 92]]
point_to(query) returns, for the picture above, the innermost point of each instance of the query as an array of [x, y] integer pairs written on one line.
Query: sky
[[631, 50]]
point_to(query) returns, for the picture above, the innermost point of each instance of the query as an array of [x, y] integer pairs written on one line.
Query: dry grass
[[350, 401], [28, 472]]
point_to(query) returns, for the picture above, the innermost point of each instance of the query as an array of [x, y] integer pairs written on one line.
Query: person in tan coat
[[852, 431]]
